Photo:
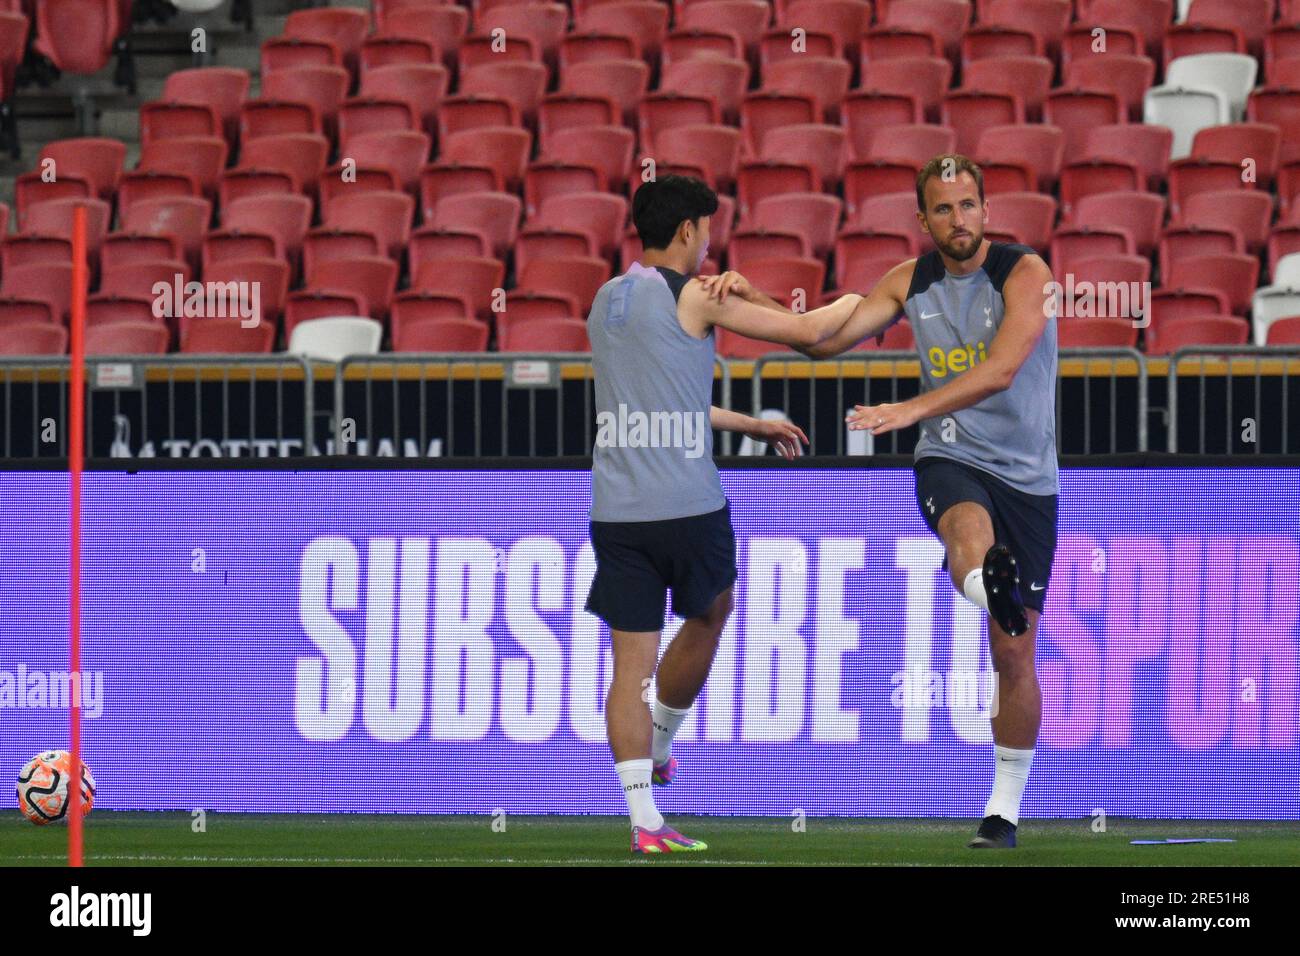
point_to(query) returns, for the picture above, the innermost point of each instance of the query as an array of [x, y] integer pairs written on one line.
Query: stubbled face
[[954, 215], [696, 236]]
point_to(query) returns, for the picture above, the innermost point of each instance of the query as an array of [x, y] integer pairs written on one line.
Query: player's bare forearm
[[725, 420], [985, 379], [871, 315]]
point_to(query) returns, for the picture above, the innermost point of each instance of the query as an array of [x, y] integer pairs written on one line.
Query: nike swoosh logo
[[932, 315], [1035, 587]]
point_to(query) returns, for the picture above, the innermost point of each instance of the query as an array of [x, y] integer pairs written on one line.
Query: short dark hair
[[939, 165], [663, 204]]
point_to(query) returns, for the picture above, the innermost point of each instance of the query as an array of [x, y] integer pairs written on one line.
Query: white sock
[[635, 777], [973, 588], [666, 721], [1009, 783]]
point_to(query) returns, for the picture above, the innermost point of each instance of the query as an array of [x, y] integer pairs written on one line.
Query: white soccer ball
[[43, 787]]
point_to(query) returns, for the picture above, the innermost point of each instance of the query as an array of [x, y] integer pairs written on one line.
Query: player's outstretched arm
[[873, 314], [700, 310], [787, 437], [1028, 304]]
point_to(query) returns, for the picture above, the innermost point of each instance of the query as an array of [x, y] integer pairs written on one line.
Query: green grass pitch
[[234, 839]]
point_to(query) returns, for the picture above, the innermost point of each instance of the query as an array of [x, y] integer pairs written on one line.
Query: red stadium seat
[[820, 146], [1079, 42], [579, 276], [1148, 146], [759, 179], [749, 245], [1046, 19], [422, 86], [1204, 330], [522, 83], [211, 336], [186, 219], [524, 305], [438, 181], [815, 216], [1285, 332], [443, 26], [623, 81], [715, 148], [552, 335], [431, 242], [882, 43], [582, 46], [372, 279], [1028, 77], [864, 180], [410, 308], [601, 214], [344, 28], [866, 115], [1127, 270], [609, 148], [645, 22], [127, 338], [792, 282], [1279, 106], [546, 242], [1282, 241], [221, 244], [845, 20], [168, 120], [1236, 276], [542, 24], [136, 280], [554, 177], [778, 44], [1248, 211], [54, 218], [560, 111], [1128, 77], [121, 248], [495, 215], [946, 19], [105, 309], [926, 79], [914, 144], [364, 114], [1078, 111], [307, 304], [687, 44], [1096, 333], [385, 215], [457, 114], [23, 250], [475, 280], [200, 158], [725, 81], [264, 117], [1139, 213], [300, 155], [1180, 242], [290, 53], [1038, 147], [1169, 304], [324, 88], [269, 276], [891, 213], [34, 338], [1028, 216], [503, 148], [325, 243], [1093, 176], [1192, 39], [733, 345], [286, 217], [862, 275], [481, 50], [1149, 19], [401, 153], [761, 112], [984, 40], [1281, 44], [32, 188], [970, 112], [1236, 142], [826, 78], [223, 88], [856, 244], [661, 111], [14, 311], [442, 335], [1252, 17], [1071, 244], [1189, 177], [78, 35], [379, 51], [748, 19]]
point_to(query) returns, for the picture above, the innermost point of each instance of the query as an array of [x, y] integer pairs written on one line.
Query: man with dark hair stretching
[[659, 518], [986, 469]]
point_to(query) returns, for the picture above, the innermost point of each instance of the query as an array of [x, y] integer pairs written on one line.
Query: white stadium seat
[[1270, 304], [1287, 271], [331, 339], [1232, 74], [1186, 111]]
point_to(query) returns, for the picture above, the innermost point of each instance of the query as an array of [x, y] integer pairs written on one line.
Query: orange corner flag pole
[[76, 456]]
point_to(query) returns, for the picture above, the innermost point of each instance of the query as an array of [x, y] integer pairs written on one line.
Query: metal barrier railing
[[215, 405], [827, 386], [1226, 378], [467, 405]]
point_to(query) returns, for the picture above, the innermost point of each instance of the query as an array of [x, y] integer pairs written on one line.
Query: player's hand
[[785, 436], [720, 286], [880, 419]]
